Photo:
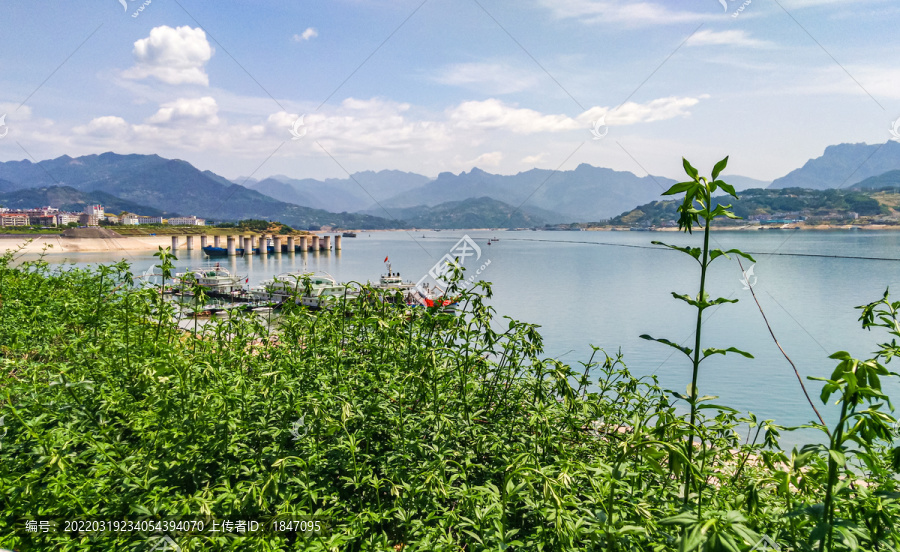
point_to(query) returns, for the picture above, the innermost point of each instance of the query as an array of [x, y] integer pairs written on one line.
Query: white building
[[63, 219], [130, 219], [96, 210], [150, 220], [187, 221]]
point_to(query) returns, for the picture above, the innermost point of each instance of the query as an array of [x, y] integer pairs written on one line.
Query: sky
[[328, 88]]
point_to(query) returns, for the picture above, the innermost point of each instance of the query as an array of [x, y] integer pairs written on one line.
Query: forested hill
[[825, 205]]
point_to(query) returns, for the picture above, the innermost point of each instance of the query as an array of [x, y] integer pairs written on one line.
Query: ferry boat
[[215, 279], [305, 288], [349, 234]]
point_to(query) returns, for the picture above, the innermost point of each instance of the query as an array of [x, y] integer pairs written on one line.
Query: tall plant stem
[[828, 512], [696, 368]]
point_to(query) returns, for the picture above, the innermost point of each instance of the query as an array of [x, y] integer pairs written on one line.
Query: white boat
[[305, 288], [215, 279], [424, 295]]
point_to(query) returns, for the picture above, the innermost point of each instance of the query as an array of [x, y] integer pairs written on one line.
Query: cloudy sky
[[314, 89]]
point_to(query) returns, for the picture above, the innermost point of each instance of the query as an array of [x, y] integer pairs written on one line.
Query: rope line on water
[[748, 252]]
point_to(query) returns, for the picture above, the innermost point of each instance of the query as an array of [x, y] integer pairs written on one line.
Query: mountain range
[[842, 166], [172, 185], [151, 184], [355, 193]]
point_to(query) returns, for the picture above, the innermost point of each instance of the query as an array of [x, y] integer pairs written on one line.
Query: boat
[[212, 251], [414, 295], [349, 234], [304, 288], [216, 280]]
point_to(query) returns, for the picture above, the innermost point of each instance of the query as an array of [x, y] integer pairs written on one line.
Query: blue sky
[[505, 86]]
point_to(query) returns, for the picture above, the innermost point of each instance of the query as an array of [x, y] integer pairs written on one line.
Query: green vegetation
[[821, 205], [29, 230], [696, 205], [409, 428]]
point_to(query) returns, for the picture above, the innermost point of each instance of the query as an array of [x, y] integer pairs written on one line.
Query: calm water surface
[[608, 288]]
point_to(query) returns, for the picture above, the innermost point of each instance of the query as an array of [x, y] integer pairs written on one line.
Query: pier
[[259, 244]]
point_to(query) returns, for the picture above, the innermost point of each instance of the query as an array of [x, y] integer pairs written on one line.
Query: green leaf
[[838, 457], [715, 351], [729, 189], [690, 170], [719, 167], [692, 251], [680, 187], [684, 518], [686, 350], [715, 253]]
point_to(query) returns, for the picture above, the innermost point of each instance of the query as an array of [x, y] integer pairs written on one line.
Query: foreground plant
[[863, 432], [698, 206]]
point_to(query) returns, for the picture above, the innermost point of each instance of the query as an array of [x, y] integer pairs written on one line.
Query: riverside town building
[[91, 216]]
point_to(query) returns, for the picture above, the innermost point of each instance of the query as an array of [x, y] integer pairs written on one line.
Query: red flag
[[385, 259]]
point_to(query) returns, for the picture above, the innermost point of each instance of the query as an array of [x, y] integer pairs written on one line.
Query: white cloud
[[619, 12], [494, 114], [631, 113], [534, 159], [306, 35], [490, 78], [491, 159], [105, 127], [174, 56], [359, 132], [720, 38], [187, 109]]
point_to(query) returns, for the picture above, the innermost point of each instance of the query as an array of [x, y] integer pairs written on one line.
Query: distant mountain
[[827, 204], [7, 186], [339, 194], [173, 186], [284, 192], [843, 165], [584, 194], [67, 198], [744, 182], [482, 212], [890, 179]]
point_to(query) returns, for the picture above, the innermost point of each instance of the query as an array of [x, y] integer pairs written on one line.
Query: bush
[[400, 427]]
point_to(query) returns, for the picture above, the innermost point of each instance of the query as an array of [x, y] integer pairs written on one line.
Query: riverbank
[[59, 244], [754, 227]]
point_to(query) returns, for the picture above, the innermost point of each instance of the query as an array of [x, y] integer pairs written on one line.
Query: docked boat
[[216, 280], [305, 288], [423, 295], [212, 251]]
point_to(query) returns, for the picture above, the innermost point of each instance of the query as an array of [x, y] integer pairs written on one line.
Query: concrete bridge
[[259, 244]]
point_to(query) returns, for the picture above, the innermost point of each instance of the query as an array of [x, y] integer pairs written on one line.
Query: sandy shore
[[58, 244]]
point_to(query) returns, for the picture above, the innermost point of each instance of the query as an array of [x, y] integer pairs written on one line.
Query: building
[[40, 219], [111, 219], [187, 221], [85, 219], [13, 219], [63, 219], [130, 219], [150, 220], [96, 210]]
